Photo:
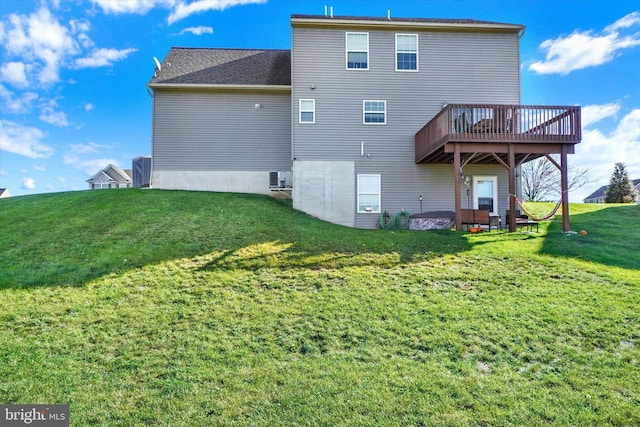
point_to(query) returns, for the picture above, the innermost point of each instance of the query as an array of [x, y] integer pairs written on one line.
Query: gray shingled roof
[[225, 67], [413, 20], [602, 191]]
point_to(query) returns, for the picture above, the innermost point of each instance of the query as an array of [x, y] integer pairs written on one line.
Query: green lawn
[[148, 307]]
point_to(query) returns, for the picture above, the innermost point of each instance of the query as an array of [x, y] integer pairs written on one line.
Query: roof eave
[[435, 26], [277, 88]]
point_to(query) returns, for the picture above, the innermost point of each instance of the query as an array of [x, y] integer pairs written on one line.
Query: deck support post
[[564, 188], [512, 188], [457, 180]]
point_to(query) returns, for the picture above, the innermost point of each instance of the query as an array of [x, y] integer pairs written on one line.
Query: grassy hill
[[146, 307]]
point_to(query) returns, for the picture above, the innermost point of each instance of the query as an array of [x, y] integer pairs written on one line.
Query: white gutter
[[277, 88], [426, 25]]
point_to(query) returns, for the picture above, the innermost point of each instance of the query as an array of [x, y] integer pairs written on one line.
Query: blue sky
[[73, 72]]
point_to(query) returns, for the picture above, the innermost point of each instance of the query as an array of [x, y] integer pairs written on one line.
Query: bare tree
[[541, 180]]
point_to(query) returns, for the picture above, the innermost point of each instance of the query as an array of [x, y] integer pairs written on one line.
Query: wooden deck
[[487, 130], [508, 135]]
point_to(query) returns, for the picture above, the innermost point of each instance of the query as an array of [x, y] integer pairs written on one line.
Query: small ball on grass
[[583, 232]]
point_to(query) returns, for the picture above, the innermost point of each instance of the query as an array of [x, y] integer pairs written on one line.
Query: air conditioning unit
[[277, 179]]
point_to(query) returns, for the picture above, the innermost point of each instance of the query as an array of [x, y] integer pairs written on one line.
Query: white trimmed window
[[308, 111], [374, 112], [406, 52], [485, 193], [357, 51], [368, 193]]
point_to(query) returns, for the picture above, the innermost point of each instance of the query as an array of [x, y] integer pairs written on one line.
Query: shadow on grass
[[70, 239], [612, 236], [346, 252]]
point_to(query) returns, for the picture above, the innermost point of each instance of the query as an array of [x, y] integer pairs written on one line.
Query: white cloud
[[599, 151], [131, 6], [88, 106], [40, 168], [103, 58], [587, 49], [23, 140], [14, 73], [28, 184], [91, 147], [56, 118], [88, 167], [184, 9], [594, 113], [197, 30], [180, 9], [70, 159], [44, 46], [40, 40], [16, 105], [79, 26], [48, 114], [625, 22]]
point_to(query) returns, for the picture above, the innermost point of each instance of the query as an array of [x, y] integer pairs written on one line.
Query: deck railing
[[499, 124]]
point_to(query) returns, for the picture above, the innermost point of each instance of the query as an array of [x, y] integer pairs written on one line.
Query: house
[[600, 194], [363, 115], [4, 192], [111, 176]]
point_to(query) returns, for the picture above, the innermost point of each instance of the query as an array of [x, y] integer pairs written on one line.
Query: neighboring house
[[363, 115], [600, 194], [4, 192], [111, 176]]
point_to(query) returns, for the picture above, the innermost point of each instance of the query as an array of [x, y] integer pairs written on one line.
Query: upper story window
[[374, 112], [357, 51], [308, 111], [406, 52]]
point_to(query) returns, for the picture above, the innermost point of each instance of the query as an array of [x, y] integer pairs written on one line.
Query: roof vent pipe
[[389, 14], [326, 13], [331, 11]]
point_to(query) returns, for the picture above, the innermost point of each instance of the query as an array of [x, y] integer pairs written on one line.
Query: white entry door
[[485, 193]]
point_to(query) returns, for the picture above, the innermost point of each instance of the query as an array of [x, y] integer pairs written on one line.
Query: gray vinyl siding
[[221, 131], [454, 67]]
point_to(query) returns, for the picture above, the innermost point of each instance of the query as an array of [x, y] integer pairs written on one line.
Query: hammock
[[533, 217]]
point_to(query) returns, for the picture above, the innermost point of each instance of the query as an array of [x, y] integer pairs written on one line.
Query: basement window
[[368, 193]]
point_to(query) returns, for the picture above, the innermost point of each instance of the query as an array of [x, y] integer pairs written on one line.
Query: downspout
[[153, 118]]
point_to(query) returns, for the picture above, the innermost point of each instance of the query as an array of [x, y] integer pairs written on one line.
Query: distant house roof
[[602, 191], [112, 173], [201, 66], [4, 192], [392, 21]]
